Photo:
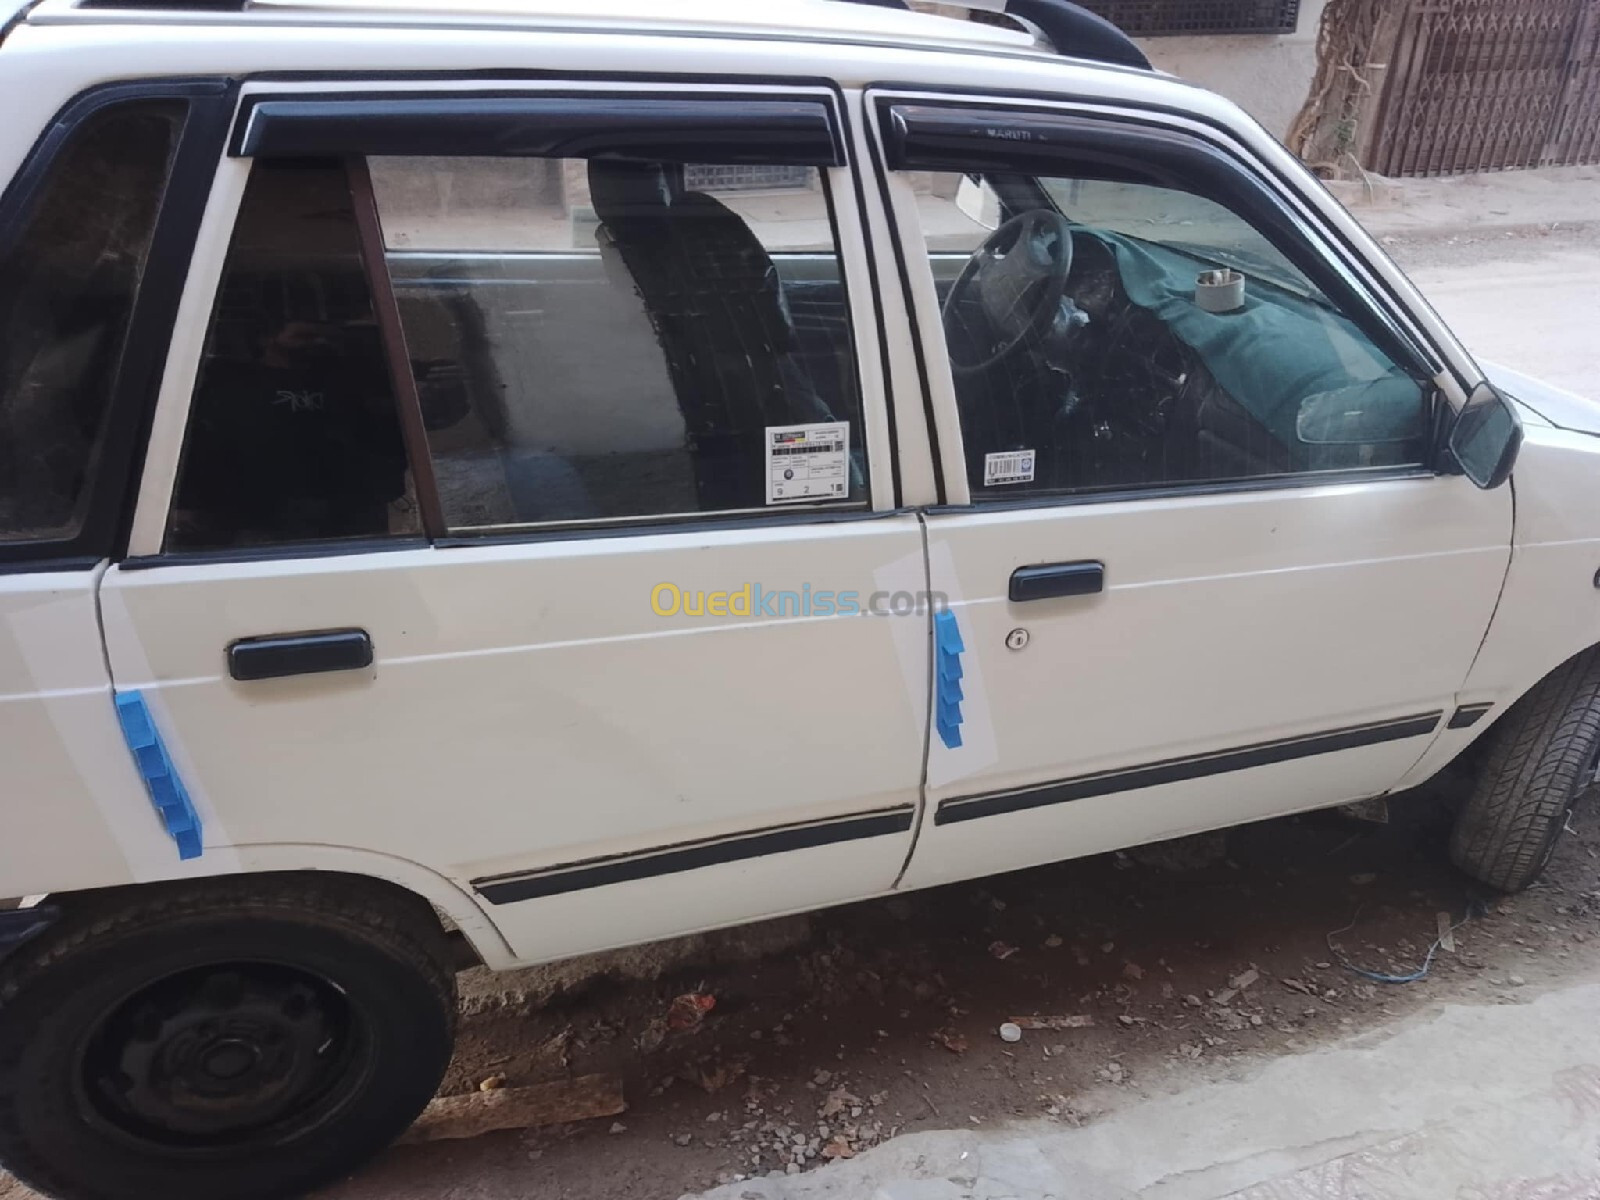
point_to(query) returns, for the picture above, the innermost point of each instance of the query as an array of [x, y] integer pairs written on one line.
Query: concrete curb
[[1475, 204]]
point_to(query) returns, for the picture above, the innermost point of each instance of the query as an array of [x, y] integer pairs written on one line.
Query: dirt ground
[[1186, 960]]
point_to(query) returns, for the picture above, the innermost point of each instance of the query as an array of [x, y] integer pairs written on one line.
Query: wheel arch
[[479, 939], [1460, 738]]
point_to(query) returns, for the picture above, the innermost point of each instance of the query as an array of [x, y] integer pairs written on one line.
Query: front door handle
[[281, 654], [1057, 579]]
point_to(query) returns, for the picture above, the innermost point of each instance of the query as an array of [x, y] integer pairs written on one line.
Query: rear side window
[[67, 289], [611, 340], [581, 341]]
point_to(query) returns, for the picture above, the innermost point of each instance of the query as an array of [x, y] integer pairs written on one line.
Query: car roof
[[832, 20]]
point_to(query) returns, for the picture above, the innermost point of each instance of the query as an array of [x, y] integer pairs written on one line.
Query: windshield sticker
[[808, 462], [1009, 466]]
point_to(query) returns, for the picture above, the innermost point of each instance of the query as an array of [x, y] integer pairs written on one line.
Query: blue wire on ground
[[1474, 909]]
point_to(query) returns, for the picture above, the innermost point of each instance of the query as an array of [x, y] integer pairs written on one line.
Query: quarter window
[[1106, 335], [66, 299], [610, 340]]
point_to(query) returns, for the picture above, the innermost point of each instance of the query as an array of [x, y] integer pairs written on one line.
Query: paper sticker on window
[[808, 462], [1009, 466]]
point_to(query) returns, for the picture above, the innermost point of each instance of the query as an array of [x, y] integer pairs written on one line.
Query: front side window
[[1105, 335], [613, 340], [67, 290]]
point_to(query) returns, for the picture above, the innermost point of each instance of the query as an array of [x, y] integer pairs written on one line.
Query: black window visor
[[787, 132]]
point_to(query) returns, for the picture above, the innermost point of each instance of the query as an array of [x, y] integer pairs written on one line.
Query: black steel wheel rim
[[222, 1058]]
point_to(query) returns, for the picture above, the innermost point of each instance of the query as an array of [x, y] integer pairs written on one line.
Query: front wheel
[[1538, 760], [245, 1037]]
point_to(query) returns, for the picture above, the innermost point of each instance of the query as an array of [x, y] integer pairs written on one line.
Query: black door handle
[[1057, 579], [282, 654]]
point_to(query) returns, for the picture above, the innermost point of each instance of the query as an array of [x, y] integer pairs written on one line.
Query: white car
[[526, 478]]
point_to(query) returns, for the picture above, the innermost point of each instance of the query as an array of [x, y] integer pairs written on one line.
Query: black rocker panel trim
[[691, 856], [1174, 770], [794, 131], [1468, 715]]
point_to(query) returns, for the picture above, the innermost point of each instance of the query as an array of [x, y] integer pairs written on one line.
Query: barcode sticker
[[1009, 466], [808, 462]]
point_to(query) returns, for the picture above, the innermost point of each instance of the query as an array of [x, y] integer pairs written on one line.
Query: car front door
[[531, 486], [1200, 563]]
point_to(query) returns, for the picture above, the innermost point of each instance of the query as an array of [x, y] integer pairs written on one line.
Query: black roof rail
[[1070, 29]]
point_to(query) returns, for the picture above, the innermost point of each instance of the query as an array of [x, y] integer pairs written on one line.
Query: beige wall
[[1266, 75]]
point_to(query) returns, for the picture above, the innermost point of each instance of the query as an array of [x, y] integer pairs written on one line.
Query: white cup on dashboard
[[1219, 291]]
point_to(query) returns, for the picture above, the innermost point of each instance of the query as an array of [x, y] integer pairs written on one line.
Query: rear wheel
[[243, 1037], [1540, 758]]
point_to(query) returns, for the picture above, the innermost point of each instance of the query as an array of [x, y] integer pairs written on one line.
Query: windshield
[[1180, 221]]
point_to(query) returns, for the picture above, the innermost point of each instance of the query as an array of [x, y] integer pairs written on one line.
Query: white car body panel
[[1549, 405], [1549, 608], [67, 767], [1227, 621], [528, 713], [528, 709]]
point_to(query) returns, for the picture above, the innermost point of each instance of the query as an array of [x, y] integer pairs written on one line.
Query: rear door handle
[[280, 654], [1057, 579]]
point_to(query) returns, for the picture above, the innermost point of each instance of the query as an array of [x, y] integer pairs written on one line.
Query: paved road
[[1536, 310], [1478, 1102]]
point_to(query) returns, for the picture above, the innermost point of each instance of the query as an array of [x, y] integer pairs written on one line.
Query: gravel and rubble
[[1125, 977]]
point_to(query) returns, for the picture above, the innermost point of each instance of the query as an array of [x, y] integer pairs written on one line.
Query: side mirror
[[1485, 437]]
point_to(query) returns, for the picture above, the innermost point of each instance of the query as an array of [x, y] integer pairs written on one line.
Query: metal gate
[[1480, 85]]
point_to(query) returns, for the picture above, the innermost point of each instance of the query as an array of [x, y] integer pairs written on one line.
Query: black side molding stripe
[[690, 856], [1172, 770], [1467, 715]]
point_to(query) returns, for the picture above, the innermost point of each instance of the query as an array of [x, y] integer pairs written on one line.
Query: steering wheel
[[1016, 278]]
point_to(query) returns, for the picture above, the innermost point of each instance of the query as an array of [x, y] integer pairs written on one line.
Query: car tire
[[251, 1037], [1537, 761]]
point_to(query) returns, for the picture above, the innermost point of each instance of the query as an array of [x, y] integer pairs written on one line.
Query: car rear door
[[1202, 567], [579, 627]]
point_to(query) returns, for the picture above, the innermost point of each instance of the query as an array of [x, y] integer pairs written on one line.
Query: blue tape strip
[[161, 780], [948, 648], [948, 633]]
